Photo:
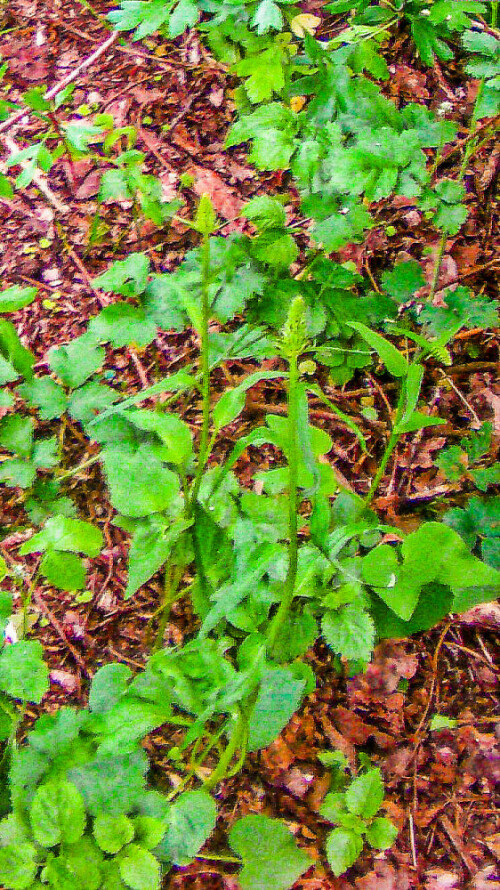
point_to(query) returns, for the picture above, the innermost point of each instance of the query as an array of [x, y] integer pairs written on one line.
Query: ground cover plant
[[243, 526]]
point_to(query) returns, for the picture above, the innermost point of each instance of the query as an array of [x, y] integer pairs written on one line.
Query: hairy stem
[[293, 470], [205, 372]]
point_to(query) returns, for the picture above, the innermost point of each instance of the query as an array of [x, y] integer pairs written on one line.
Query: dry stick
[[56, 624], [62, 83]]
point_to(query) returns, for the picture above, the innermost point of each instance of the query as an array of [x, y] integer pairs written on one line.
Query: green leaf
[[333, 806], [138, 483], [295, 636], [394, 361], [184, 15], [205, 221], [266, 212], [403, 280], [114, 184], [486, 476], [16, 434], [417, 421], [80, 133], [111, 784], [61, 533], [16, 297], [365, 794], [264, 72], [462, 309], [79, 864], [23, 673], [89, 400], [57, 814], [191, 820], [112, 832], [149, 831], [139, 869], [342, 849], [267, 17], [46, 395], [175, 435], [77, 361], [350, 632], [271, 859], [152, 544], [439, 721], [232, 401], [127, 277], [18, 866], [15, 358], [64, 570], [6, 190], [381, 834], [108, 685], [277, 700], [123, 325]]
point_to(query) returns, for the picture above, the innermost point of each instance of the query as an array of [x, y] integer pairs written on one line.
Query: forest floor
[[440, 784]]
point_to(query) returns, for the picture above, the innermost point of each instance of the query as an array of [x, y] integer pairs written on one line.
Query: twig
[[62, 83], [460, 396], [59, 630]]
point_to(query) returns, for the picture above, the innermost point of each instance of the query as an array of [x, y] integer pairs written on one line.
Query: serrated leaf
[[381, 833], [112, 832], [123, 325], [57, 814], [365, 794], [23, 673], [18, 866], [271, 859], [46, 395], [350, 632], [126, 277], [342, 849], [16, 434], [75, 362], [403, 280]]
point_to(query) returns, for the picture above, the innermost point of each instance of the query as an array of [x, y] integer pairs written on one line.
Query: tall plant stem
[[469, 149], [224, 763], [293, 470], [205, 372], [173, 576], [494, 13], [391, 444]]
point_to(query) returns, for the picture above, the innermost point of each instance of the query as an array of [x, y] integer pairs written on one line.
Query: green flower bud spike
[[294, 334]]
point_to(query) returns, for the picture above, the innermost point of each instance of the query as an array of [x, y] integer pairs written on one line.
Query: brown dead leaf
[[278, 756], [439, 879], [67, 681], [225, 200], [485, 615], [486, 879], [383, 877]]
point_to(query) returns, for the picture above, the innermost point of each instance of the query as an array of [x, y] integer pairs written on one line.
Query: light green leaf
[[64, 570], [350, 632], [148, 831], [16, 434], [111, 784], [138, 483], [365, 794], [394, 361], [77, 361], [112, 832], [23, 673], [174, 434], [342, 849], [139, 869], [46, 395], [16, 297], [18, 866], [265, 211], [128, 277], [123, 325], [191, 820], [61, 533], [381, 834], [57, 814], [277, 700], [108, 685], [271, 858]]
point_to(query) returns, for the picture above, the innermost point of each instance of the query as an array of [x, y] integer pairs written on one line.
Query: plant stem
[[205, 372], [473, 125], [83, 466], [293, 470], [173, 576], [494, 13], [221, 769], [437, 266], [391, 444]]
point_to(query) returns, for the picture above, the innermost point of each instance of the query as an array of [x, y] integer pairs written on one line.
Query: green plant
[[352, 804], [458, 461]]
